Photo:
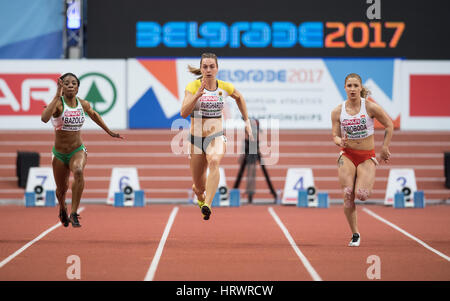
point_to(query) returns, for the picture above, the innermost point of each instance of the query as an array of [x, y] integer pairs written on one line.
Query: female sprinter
[[353, 129], [204, 100], [67, 113]]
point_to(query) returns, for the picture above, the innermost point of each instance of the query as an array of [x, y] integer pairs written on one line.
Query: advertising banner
[[426, 101], [282, 28], [26, 86], [298, 93]]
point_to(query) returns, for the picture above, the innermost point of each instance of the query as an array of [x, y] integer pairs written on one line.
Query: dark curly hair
[[70, 74]]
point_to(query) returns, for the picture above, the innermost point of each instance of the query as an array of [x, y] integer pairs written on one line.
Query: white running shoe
[[356, 239]]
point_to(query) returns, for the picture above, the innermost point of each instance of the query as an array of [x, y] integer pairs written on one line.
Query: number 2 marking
[[403, 180]]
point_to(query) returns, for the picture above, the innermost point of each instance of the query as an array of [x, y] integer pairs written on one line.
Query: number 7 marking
[[399, 28], [44, 178]]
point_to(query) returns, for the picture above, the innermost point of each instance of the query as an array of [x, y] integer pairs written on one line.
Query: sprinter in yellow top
[[203, 100]]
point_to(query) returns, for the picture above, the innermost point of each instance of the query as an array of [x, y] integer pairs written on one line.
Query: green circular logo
[[99, 90]]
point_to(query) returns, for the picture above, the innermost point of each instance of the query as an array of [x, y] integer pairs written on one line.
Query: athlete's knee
[[78, 172], [349, 201], [362, 194], [61, 192], [214, 162]]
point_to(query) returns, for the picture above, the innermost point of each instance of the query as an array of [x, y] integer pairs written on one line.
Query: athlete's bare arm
[[336, 127], [377, 112], [98, 119]]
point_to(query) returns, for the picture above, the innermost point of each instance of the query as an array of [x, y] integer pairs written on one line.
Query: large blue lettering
[[193, 38], [259, 35], [235, 33], [174, 34], [311, 34], [284, 34], [148, 34], [218, 34]]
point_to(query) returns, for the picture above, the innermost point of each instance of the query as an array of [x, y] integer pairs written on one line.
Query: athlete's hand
[[60, 87], [248, 129], [385, 155], [200, 90], [115, 135], [344, 140]]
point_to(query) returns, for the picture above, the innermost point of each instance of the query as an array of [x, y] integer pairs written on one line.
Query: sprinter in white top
[[353, 131], [67, 113]]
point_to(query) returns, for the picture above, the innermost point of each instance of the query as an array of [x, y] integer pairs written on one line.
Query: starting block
[[418, 199], [216, 200], [41, 187], [322, 199], [32, 199], [304, 202], [235, 198], [136, 199]]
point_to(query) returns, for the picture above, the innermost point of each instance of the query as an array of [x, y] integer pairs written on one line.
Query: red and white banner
[[26, 86], [426, 100]]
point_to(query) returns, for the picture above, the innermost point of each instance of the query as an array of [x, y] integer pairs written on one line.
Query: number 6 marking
[[122, 182]]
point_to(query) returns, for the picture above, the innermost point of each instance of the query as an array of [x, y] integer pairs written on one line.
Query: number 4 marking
[[299, 184]]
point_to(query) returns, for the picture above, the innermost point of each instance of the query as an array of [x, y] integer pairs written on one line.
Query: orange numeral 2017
[[348, 31]]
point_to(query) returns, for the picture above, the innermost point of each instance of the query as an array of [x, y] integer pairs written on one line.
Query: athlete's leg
[[347, 174], [61, 174], [77, 164], [198, 166], [214, 154], [365, 179]]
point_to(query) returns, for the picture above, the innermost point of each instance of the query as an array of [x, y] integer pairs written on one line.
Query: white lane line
[[30, 243], [153, 266], [315, 276], [373, 214]]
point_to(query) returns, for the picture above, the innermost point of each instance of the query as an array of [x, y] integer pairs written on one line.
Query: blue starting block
[[419, 199], [235, 198], [138, 201], [399, 200], [216, 200], [302, 198], [322, 200], [50, 199]]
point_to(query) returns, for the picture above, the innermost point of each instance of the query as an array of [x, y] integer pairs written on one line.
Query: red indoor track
[[242, 243], [252, 242]]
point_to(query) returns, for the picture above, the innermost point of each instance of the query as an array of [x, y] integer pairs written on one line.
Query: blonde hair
[[364, 91], [197, 71]]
